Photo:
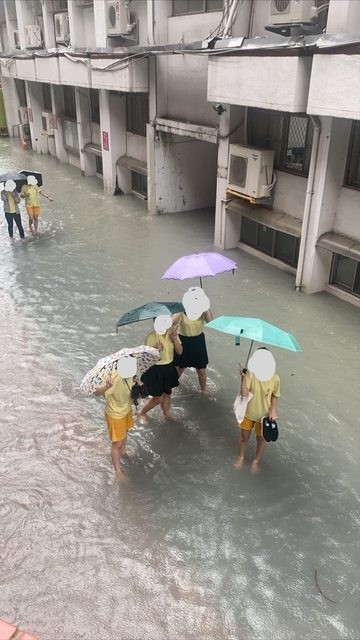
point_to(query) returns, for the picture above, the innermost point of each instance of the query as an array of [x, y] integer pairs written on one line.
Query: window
[[69, 103], [289, 135], [94, 106], [182, 7], [46, 97], [20, 87], [71, 139], [274, 243], [352, 177], [345, 274], [137, 112], [99, 165], [139, 183]]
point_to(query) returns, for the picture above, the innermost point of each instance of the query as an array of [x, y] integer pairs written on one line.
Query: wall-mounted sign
[[30, 114], [105, 140]]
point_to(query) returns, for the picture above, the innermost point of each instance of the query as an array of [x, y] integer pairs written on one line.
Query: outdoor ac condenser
[[250, 171], [47, 125], [32, 36], [292, 11], [118, 17], [61, 23], [23, 115]]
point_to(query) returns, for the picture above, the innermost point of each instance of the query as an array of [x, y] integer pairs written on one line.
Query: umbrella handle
[[248, 355]]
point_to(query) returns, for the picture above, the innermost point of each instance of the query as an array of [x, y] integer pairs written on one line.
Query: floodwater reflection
[[190, 548]]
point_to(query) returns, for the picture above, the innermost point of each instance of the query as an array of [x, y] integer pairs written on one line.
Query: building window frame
[[139, 184], [276, 238], [137, 113], [187, 7], [69, 103], [352, 171], [94, 106], [47, 102], [352, 287], [276, 130]]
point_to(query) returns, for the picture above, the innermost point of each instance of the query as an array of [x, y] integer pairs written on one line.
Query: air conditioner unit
[[32, 36], [24, 132], [47, 122], [23, 115], [292, 11], [16, 40], [61, 23], [250, 171], [118, 19]]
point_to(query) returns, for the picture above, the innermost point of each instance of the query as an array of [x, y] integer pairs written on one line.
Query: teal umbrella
[[256, 330], [149, 310]]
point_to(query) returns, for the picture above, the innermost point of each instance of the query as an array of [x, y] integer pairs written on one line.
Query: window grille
[[183, 7], [137, 112], [352, 174], [289, 135]]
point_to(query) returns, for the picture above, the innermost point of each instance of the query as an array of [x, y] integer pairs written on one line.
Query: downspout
[[150, 22], [308, 200]]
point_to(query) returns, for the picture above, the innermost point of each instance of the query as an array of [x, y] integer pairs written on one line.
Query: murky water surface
[[190, 548]]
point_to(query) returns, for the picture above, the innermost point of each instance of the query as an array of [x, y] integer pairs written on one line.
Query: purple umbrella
[[198, 265]]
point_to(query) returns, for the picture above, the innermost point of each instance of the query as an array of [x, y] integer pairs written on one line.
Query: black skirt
[[160, 378], [194, 352]]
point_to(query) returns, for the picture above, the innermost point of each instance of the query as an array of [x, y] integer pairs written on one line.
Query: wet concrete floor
[[189, 548]]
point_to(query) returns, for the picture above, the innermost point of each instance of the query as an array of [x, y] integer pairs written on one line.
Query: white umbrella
[[97, 376]]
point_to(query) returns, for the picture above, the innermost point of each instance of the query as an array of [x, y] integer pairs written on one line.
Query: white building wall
[[185, 173]]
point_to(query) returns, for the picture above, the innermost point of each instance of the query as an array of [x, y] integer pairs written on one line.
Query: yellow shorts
[[33, 211], [248, 424], [118, 427]]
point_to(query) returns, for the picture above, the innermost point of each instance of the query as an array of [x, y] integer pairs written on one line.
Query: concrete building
[[160, 97]]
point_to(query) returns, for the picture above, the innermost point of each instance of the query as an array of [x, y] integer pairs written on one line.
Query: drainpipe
[[308, 200], [150, 22]]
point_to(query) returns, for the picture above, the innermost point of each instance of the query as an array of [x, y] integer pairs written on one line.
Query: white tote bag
[[240, 404]]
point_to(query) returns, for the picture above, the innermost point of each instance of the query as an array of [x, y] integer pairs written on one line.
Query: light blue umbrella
[[256, 330]]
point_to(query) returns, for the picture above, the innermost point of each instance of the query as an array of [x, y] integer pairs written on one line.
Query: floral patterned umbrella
[[97, 376]]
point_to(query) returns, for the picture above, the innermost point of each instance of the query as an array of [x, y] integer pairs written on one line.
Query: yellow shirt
[[167, 351], [191, 328], [118, 399], [31, 193], [259, 405], [12, 203]]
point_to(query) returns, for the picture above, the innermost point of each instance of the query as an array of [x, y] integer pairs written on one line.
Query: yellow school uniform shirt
[[11, 203], [31, 193], [167, 352], [118, 399], [259, 405], [191, 328]]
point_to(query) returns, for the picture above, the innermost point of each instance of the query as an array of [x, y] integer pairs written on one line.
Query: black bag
[[138, 391]]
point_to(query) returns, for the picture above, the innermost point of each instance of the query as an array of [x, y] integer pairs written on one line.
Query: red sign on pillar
[[105, 140]]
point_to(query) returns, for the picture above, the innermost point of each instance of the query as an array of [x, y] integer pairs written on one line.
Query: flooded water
[[189, 548]]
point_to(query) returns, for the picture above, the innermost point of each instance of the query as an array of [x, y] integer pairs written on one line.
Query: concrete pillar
[[343, 16], [49, 27], [35, 103], [24, 17], [113, 140], [87, 160], [331, 162], [11, 102], [150, 160], [57, 99], [227, 229], [100, 19], [76, 26], [11, 21]]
